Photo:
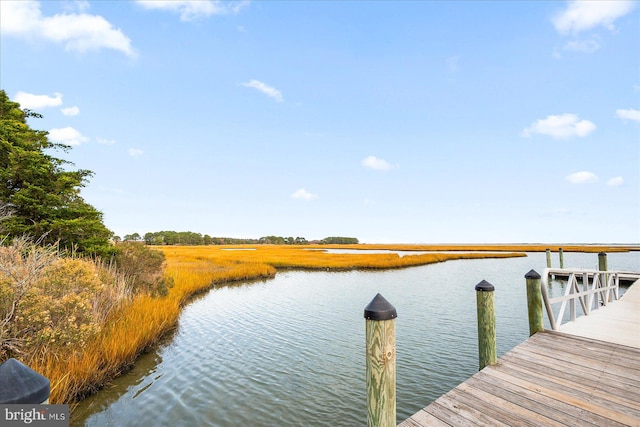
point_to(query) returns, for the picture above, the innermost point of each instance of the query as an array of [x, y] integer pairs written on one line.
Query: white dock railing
[[597, 289]]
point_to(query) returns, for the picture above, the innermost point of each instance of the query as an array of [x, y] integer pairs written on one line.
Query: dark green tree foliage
[[191, 238], [43, 195], [173, 238], [339, 241], [272, 240], [132, 237]]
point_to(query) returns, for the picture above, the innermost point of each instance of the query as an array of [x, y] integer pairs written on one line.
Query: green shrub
[[49, 302], [142, 268]]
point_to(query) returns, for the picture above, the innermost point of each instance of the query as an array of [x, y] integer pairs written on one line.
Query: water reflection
[[137, 380]]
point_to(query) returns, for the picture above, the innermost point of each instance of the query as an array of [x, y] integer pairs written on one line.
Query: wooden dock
[[619, 323], [586, 375]]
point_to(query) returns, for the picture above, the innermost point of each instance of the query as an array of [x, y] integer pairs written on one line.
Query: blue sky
[[389, 121]]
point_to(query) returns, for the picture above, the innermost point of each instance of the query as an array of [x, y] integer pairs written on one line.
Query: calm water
[[290, 351]]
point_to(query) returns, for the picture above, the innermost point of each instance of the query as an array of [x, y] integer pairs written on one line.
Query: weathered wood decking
[[555, 378]]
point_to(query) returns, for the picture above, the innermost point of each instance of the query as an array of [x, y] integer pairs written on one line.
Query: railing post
[[487, 354], [534, 302], [602, 266], [561, 256], [548, 258], [20, 384], [380, 322]]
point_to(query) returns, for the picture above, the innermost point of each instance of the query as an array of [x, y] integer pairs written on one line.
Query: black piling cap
[[380, 309], [532, 274], [21, 384], [485, 286], [602, 254]]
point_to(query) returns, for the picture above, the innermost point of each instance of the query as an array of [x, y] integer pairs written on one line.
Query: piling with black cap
[[21, 384], [561, 257], [380, 325], [534, 302], [487, 354]]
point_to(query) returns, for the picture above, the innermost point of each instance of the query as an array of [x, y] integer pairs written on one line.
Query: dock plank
[[590, 368], [423, 418], [544, 410], [502, 405], [616, 392], [625, 356], [619, 414]]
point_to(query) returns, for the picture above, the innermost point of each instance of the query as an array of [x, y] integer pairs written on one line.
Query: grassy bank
[[316, 258]]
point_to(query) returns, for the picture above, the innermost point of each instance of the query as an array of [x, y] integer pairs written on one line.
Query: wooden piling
[[561, 256], [380, 318], [534, 302], [487, 354], [602, 261], [548, 258]]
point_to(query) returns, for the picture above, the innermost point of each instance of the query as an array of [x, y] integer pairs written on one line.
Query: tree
[[43, 194], [132, 237], [338, 240]]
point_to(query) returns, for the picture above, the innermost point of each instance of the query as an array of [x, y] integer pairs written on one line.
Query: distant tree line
[[191, 238], [339, 241]]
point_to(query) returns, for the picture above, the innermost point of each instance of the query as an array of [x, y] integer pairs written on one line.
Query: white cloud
[[194, 9], [78, 32], [616, 181], [584, 46], [267, 90], [628, 114], [31, 101], [77, 5], [372, 162], [71, 111], [68, 136], [105, 141], [304, 195], [583, 177], [135, 152], [562, 126], [585, 15]]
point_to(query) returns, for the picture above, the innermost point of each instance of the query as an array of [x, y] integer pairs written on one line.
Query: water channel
[[290, 351]]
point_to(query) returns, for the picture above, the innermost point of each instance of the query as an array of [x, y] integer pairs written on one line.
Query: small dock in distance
[[587, 373]]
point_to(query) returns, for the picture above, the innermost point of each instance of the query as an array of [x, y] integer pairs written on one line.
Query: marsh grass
[[314, 258]]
